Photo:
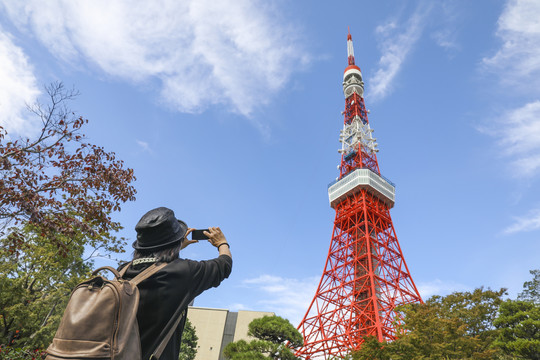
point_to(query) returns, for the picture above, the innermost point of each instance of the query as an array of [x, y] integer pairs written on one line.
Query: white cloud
[[17, 88], [519, 29], [529, 222], [517, 66], [286, 297], [518, 133], [201, 52], [447, 17], [439, 287], [518, 130], [521, 136], [396, 41], [144, 145], [445, 39]]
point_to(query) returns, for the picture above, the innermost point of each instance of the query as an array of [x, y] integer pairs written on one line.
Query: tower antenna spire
[[350, 49]]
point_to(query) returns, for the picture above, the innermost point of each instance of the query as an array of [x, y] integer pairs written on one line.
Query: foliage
[[254, 350], [531, 289], [188, 348], [35, 288], [21, 354], [519, 322], [59, 182], [373, 349], [457, 326], [57, 194], [275, 337], [519, 329], [276, 330]]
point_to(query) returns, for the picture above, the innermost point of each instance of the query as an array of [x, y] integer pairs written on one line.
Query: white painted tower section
[[357, 136]]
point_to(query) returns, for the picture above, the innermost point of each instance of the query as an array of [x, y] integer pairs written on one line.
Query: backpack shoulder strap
[[163, 343], [146, 273], [124, 268]]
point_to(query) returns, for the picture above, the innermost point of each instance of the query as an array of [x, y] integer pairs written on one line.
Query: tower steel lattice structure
[[365, 277]]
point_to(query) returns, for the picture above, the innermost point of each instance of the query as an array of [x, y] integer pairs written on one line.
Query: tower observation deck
[[365, 276]]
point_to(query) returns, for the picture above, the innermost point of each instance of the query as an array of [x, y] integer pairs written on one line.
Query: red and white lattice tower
[[365, 276]]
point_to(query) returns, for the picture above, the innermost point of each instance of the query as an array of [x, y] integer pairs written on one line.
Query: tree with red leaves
[[57, 194], [60, 183]]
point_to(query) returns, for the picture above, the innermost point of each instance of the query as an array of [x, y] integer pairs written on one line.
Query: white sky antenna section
[[350, 49], [356, 134]]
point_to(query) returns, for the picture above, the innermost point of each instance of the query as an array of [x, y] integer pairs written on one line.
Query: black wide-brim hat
[[159, 229]]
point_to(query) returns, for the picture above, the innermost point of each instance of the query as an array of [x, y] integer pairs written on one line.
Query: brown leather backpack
[[100, 320]]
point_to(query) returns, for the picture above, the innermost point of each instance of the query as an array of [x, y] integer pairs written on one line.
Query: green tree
[[457, 326], [188, 348], [372, 349], [275, 337], [9, 353], [531, 289], [519, 329], [519, 322], [35, 287]]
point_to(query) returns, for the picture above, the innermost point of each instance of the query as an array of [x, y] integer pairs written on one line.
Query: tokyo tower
[[365, 276]]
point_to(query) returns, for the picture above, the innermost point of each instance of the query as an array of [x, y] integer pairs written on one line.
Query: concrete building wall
[[209, 326], [216, 328]]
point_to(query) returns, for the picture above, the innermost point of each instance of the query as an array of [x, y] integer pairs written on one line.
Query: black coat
[[162, 293]]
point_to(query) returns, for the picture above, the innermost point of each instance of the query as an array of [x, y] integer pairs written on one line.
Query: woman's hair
[[163, 255]]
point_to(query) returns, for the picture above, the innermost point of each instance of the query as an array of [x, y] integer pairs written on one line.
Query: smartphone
[[198, 235]]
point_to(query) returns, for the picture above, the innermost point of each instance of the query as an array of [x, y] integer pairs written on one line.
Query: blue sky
[[229, 113]]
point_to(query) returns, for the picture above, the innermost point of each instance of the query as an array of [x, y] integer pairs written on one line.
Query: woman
[[160, 237]]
